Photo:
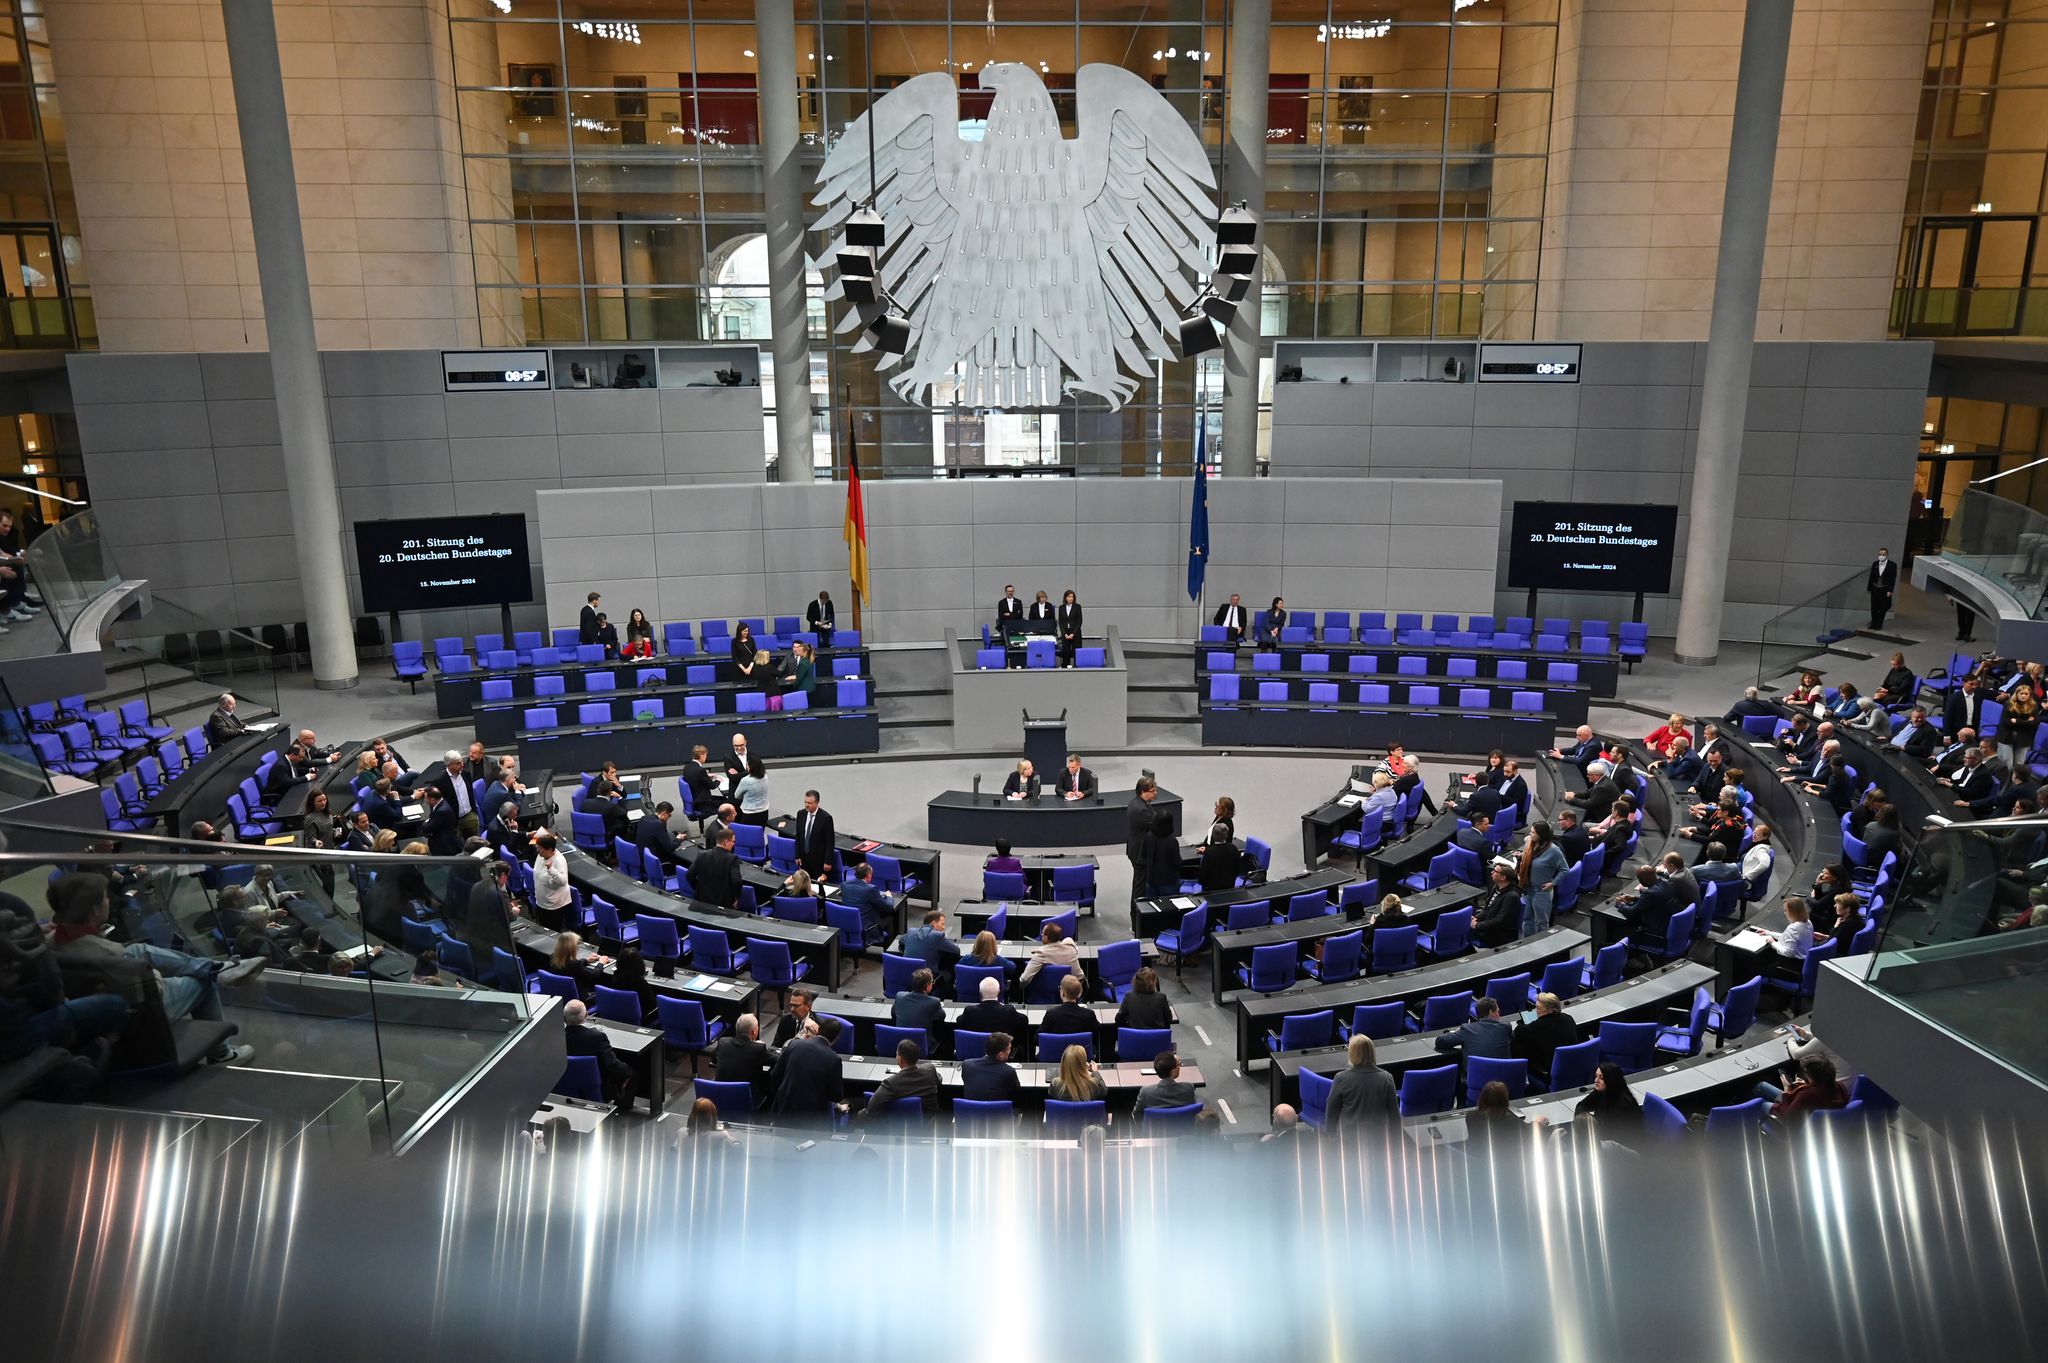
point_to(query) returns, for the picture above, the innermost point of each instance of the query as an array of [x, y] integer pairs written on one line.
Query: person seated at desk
[[1651, 906], [639, 636], [915, 1077], [605, 796], [1571, 835], [1473, 837], [1497, 916], [1790, 944], [1009, 613], [1814, 1087], [819, 618], [565, 959], [1837, 789], [379, 804], [990, 1013], [1714, 865], [1683, 766], [715, 874], [1053, 949], [1162, 856], [1661, 737], [1485, 1035], [1221, 857], [1597, 800], [875, 905], [1536, 1039], [1233, 619], [917, 1007], [1806, 693], [987, 951], [223, 724], [1383, 797], [741, 1058], [1169, 1091], [1392, 913], [989, 1077], [652, 835], [1001, 862], [287, 771], [930, 944], [1845, 920], [806, 1082], [1022, 783], [1271, 623], [1145, 1006], [1871, 718], [1077, 782], [583, 1039], [504, 832], [1038, 616], [1514, 787], [1067, 626], [1068, 1015], [1078, 1080], [1493, 773], [1584, 749], [1921, 738], [1406, 774], [607, 635]]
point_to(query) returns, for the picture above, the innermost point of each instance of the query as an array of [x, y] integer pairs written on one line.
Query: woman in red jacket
[[1672, 728]]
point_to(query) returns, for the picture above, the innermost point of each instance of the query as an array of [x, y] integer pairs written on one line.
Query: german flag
[[856, 519]]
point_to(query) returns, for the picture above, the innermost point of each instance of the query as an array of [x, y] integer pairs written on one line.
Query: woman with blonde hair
[[387, 841], [1672, 729], [1077, 1081], [986, 951]]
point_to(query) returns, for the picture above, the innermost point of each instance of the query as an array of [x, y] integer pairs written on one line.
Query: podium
[[1045, 745]]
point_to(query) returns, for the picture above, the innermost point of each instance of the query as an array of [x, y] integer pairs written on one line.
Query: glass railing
[[2004, 542], [1983, 311], [391, 970], [70, 566], [185, 656], [1801, 631], [1961, 944]]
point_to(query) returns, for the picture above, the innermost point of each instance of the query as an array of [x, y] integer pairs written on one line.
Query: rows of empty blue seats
[[1038, 653], [1407, 665], [1554, 634], [80, 739], [696, 674], [1226, 691], [536, 648], [847, 694]]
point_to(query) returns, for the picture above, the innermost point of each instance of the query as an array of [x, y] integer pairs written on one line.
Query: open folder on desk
[[1183, 903]]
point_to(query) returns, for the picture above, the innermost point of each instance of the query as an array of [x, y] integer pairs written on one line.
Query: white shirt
[[551, 881], [455, 778], [1795, 941], [1756, 861]]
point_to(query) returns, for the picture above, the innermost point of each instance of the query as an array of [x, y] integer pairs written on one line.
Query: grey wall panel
[[493, 458], [480, 414], [1629, 363], [100, 380], [1782, 364], [137, 426], [387, 416], [246, 468], [1423, 404], [230, 376], [162, 472], [505, 498], [372, 463], [370, 373], [1526, 405], [161, 520], [605, 411], [246, 421]]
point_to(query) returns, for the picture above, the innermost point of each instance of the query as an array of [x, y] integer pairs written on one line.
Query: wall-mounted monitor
[[442, 562], [1592, 547], [469, 371]]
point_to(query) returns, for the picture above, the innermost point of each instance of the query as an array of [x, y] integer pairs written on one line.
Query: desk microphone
[[977, 783]]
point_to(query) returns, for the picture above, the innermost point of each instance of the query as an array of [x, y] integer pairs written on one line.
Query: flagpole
[[852, 456], [1201, 441]]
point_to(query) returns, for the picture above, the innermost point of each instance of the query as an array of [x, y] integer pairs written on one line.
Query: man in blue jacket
[[931, 945]]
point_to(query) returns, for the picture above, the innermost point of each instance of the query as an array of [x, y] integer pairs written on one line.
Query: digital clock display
[[493, 369]]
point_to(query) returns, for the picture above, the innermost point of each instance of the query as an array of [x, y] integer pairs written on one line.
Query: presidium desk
[[977, 819]]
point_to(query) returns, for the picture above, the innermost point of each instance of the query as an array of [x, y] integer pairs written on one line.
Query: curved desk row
[[1640, 999], [456, 692], [201, 793], [1906, 782], [1150, 917], [1568, 702], [1350, 724], [977, 820], [666, 742], [1258, 1014], [1228, 950], [867, 1013], [1600, 671], [1019, 954], [499, 721], [862, 1073], [815, 943]]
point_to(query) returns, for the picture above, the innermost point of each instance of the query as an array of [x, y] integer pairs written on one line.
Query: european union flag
[[1198, 516]]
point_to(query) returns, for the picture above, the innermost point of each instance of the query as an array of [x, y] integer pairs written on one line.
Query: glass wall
[[615, 181], [1971, 262], [44, 300]]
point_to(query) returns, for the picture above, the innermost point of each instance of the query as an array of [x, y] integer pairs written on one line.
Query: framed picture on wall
[[1354, 99], [534, 82]]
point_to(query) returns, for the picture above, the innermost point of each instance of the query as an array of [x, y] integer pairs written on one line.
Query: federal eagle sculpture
[[1029, 266]]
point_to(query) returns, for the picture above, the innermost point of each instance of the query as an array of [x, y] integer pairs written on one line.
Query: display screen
[[442, 562], [1591, 547]]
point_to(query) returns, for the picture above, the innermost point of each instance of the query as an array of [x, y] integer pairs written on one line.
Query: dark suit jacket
[[1599, 801], [1065, 1018], [920, 1081], [814, 853], [486, 922], [1483, 800], [1039, 612], [1472, 840], [1579, 754], [1017, 785], [1066, 781], [1152, 1010], [734, 770], [383, 813], [1238, 626], [1009, 609], [1961, 712], [586, 625], [1883, 577], [1488, 1037], [983, 1080], [652, 835], [584, 1039], [1920, 742], [1653, 908], [935, 949], [222, 726], [1537, 1042], [806, 1082], [282, 775], [716, 877], [819, 613], [1138, 826], [444, 837], [992, 1017], [1067, 620], [743, 1062], [1497, 916], [1514, 791], [920, 1010], [1576, 842], [495, 797], [1974, 783], [698, 781]]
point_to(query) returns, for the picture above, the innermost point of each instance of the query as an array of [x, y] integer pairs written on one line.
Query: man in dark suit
[[444, 839], [1537, 1041], [377, 802], [1751, 704], [696, 779], [1485, 1035], [915, 1077], [1473, 837], [1965, 708], [790, 1025], [362, 834], [814, 837], [737, 762], [1068, 1015], [716, 874], [991, 1014], [806, 1081], [1009, 613], [1076, 782], [1514, 787], [223, 724], [930, 944], [819, 616], [1572, 838], [1597, 800], [459, 795], [917, 1006], [741, 1058], [652, 835], [1974, 781], [1484, 801], [1652, 905], [1138, 824], [1948, 759], [1584, 748], [286, 772], [1497, 914], [586, 623], [487, 922], [583, 1039], [1882, 581], [874, 904], [1022, 783], [989, 1077], [1234, 619], [1919, 738]]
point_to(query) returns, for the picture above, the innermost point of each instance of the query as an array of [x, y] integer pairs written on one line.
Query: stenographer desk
[[977, 820]]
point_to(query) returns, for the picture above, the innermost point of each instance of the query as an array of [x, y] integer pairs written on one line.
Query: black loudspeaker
[[1240, 259], [859, 289], [1237, 227], [864, 228], [855, 260], [1197, 335], [1221, 309], [891, 334], [1231, 286]]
